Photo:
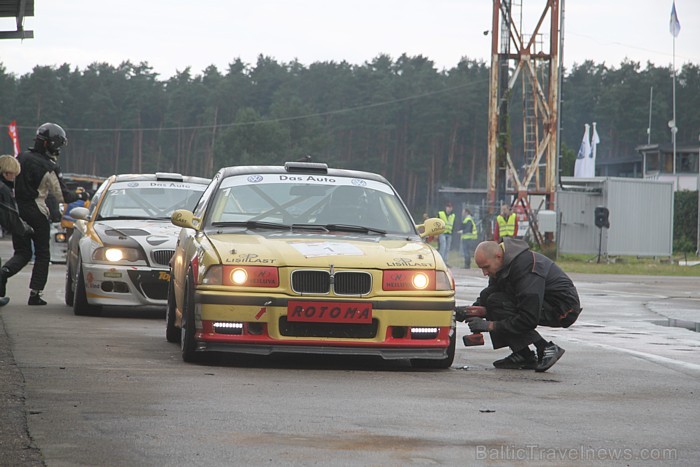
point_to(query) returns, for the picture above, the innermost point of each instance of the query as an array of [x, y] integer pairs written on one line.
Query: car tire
[[439, 364], [69, 295], [172, 332], [81, 307], [187, 341]]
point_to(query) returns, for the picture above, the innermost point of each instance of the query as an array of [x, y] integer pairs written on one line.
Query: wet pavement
[[652, 319]]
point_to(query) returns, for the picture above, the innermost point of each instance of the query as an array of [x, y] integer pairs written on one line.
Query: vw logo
[[255, 178], [358, 182]]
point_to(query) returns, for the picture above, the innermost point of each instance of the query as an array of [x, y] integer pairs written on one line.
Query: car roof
[[304, 168], [161, 176]]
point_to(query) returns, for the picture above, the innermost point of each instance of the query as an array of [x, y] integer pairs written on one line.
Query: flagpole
[[651, 99], [674, 129]]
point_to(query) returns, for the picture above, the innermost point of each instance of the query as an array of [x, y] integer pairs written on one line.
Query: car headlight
[[418, 279], [408, 279], [444, 280], [117, 254], [242, 276]]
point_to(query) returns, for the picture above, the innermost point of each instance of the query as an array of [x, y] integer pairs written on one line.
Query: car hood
[[150, 234], [290, 250]]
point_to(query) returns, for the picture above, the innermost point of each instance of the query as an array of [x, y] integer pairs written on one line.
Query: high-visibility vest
[[506, 228], [467, 233], [449, 221]]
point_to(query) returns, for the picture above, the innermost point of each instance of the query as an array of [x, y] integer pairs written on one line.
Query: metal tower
[[532, 60]]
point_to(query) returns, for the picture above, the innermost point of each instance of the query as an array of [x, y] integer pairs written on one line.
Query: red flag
[[12, 131]]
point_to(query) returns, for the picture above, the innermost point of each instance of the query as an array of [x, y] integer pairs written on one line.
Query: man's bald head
[[489, 257]]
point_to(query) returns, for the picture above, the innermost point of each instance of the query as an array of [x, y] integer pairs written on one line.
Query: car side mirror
[[431, 227], [186, 219], [80, 213]]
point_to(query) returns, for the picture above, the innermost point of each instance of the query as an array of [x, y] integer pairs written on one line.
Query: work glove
[[480, 325]]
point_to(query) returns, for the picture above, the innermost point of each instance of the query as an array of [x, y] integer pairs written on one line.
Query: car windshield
[[307, 202], [148, 199]]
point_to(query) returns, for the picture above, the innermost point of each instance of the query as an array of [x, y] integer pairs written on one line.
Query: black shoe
[[4, 301], [516, 361], [35, 299], [552, 353]]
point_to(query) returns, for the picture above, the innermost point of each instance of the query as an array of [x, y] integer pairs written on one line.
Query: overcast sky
[[173, 34]]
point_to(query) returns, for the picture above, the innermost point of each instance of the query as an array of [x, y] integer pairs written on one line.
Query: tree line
[[418, 126]]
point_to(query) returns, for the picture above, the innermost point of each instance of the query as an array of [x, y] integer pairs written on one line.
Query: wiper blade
[[309, 227], [354, 228], [253, 225]]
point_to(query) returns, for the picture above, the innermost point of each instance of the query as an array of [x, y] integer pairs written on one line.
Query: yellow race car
[[303, 258]]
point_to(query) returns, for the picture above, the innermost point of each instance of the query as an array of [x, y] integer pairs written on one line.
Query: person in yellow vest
[[469, 236], [506, 224], [445, 239]]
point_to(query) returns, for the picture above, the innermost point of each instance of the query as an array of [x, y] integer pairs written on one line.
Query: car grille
[[151, 284], [344, 282], [162, 256], [335, 330], [155, 290]]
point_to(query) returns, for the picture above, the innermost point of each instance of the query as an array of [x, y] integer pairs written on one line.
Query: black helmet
[[53, 136]]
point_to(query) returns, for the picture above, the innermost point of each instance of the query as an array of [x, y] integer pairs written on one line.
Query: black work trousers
[[23, 247], [499, 306]]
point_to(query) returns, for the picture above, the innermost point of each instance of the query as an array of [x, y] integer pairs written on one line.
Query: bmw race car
[[120, 248], [308, 259]]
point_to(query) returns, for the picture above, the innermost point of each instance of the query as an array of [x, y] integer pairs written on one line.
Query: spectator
[[506, 224], [9, 215], [469, 236], [445, 239], [67, 221]]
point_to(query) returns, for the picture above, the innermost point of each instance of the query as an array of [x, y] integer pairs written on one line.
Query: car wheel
[[187, 342], [81, 307], [172, 333], [69, 295], [439, 364]]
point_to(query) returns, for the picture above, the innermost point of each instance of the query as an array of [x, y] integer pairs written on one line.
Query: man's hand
[[480, 325]]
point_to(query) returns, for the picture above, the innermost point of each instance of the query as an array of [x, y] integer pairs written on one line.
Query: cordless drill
[[464, 313]]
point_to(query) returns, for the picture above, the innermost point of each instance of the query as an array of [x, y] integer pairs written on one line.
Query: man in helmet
[[39, 177]]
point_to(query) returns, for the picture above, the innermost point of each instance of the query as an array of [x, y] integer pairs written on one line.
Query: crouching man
[[526, 289]]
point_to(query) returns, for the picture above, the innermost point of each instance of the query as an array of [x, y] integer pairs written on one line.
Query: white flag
[[584, 152], [590, 167], [674, 25]]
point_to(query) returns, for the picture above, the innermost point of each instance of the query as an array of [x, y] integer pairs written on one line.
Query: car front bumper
[[399, 328], [107, 285]]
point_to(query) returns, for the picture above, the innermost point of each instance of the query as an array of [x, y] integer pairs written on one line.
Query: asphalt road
[[111, 391]]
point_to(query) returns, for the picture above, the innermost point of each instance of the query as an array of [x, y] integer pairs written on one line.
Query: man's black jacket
[[531, 281], [9, 216], [40, 176]]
